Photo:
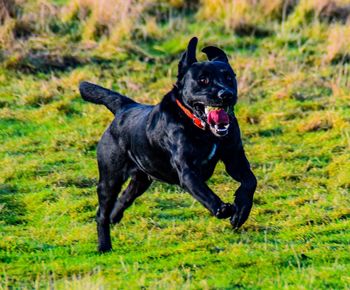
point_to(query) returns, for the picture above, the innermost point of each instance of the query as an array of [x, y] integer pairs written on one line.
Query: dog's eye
[[203, 81]]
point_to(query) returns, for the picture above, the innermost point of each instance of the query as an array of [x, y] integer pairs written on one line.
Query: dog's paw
[[104, 248], [224, 211], [240, 215]]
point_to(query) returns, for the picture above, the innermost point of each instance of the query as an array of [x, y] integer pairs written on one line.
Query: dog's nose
[[225, 94]]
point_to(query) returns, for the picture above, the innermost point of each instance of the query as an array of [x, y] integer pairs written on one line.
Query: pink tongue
[[218, 117]]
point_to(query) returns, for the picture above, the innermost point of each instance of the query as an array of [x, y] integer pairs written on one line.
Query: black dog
[[178, 141]]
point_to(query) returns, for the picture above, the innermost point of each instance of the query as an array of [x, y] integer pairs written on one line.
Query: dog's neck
[[169, 100], [173, 100], [198, 122]]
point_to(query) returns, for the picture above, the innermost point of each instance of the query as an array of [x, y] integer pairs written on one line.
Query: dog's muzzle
[[218, 120]]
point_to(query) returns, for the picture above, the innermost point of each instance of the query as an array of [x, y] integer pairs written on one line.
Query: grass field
[[293, 66]]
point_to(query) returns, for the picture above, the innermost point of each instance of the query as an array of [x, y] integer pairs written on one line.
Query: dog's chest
[[205, 160], [211, 155]]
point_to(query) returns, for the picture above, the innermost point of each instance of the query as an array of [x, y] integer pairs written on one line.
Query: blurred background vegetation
[[292, 63], [57, 31]]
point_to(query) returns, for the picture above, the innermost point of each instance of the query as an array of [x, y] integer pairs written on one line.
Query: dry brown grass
[[323, 10], [6, 36], [24, 19], [332, 10], [104, 24], [338, 47], [237, 13], [8, 8], [112, 19], [322, 121]]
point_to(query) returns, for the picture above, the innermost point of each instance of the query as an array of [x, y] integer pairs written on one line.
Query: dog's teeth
[[210, 108], [226, 126]]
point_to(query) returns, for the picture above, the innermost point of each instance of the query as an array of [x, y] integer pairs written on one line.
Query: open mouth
[[217, 119]]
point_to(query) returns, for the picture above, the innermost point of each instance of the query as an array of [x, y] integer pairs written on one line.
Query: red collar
[[198, 122]]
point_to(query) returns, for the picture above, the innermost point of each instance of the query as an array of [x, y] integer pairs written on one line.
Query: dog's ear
[[188, 57], [215, 54]]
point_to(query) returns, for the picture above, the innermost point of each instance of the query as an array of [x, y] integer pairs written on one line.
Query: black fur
[[160, 142]]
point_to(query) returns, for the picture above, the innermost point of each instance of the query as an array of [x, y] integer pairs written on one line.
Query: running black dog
[[178, 141]]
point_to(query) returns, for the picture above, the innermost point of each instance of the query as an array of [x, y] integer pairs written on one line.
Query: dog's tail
[[99, 95]]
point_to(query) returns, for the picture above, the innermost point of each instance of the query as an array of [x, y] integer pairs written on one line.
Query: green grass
[[294, 115]]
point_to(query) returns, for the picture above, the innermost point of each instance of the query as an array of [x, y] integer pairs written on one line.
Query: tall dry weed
[[7, 13], [323, 10], [232, 13], [112, 19], [23, 19], [338, 44], [8, 8]]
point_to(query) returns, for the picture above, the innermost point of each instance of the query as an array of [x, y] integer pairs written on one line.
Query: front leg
[[196, 186], [237, 166]]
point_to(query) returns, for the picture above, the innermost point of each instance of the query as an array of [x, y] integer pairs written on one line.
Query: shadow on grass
[[271, 132], [79, 182], [165, 204], [12, 210], [175, 215]]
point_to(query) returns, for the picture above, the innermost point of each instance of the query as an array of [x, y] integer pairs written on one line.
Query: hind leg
[[138, 185], [112, 167], [107, 194]]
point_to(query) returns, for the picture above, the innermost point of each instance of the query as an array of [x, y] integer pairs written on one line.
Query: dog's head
[[208, 89]]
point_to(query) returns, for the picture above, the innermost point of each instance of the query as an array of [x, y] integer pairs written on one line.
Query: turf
[[294, 114]]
